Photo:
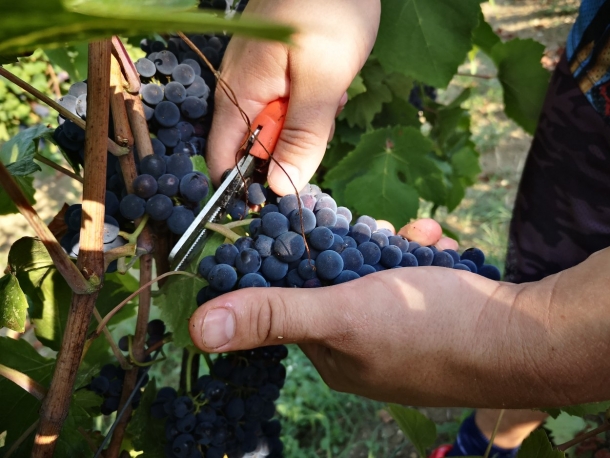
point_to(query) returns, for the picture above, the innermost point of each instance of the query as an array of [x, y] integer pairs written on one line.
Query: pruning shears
[[265, 130]]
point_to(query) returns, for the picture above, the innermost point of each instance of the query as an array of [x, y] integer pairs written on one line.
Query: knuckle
[[297, 142], [269, 322]]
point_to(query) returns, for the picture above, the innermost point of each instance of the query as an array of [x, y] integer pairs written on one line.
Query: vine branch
[[583, 437], [90, 258], [23, 381], [65, 266], [40, 158], [224, 230], [112, 146]]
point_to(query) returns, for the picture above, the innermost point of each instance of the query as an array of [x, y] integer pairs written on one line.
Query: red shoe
[[441, 452]]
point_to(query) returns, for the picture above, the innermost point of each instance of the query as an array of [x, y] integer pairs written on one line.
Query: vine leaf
[[178, 298], [72, 59], [13, 304], [565, 427], [50, 296], [420, 430], [146, 430], [18, 153], [387, 172], [426, 40], [580, 410], [537, 445], [484, 37], [19, 408], [29, 24], [356, 87], [523, 80]]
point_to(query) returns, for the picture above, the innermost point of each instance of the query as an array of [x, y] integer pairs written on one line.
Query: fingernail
[[279, 180], [218, 328]]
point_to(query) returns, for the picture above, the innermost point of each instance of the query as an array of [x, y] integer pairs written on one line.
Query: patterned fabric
[[588, 50], [562, 210]]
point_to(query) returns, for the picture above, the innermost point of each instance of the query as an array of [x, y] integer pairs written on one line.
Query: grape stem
[[189, 370], [578, 439], [224, 230], [115, 348], [119, 252], [23, 381], [133, 238], [40, 158], [493, 434], [208, 361], [243, 222], [21, 438], [113, 312], [112, 146]]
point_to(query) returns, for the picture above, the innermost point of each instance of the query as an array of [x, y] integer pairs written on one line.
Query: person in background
[[446, 339]]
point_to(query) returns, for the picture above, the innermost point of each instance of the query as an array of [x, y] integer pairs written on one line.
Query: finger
[[445, 243], [302, 143], [342, 103], [424, 231], [255, 317]]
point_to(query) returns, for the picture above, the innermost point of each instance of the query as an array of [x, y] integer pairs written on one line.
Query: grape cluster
[[418, 92], [73, 217], [229, 412], [109, 384], [338, 248]]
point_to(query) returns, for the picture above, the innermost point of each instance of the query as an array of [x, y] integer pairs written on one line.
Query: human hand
[[333, 42], [391, 335]]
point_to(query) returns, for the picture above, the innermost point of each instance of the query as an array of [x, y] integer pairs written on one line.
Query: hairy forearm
[[542, 344]]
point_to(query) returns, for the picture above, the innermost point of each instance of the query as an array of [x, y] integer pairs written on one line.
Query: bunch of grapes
[[229, 412], [335, 248], [109, 383], [73, 217]]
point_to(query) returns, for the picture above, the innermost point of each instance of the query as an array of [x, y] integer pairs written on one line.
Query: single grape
[[237, 209], [321, 238], [471, 265], [341, 227], [263, 245], [361, 232], [226, 254], [424, 256], [274, 224], [168, 184], [273, 269], [146, 67], [391, 256], [365, 270], [289, 247], [198, 88], [460, 266], [370, 252], [257, 194], [175, 92], [489, 271], [152, 94], [194, 107], [100, 385], [352, 259], [400, 242], [194, 187], [111, 229], [454, 254], [158, 147], [166, 62], [248, 261], [145, 186], [252, 280], [325, 201], [159, 207], [156, 328], [222, 277], [326, 217], [329, 264], [443, 259], [370, 222], [475, 255], [179, 165], [244, 242], [380, 239], [408, 260], [345, 276], [194, 65], [183, 74], [132, 207], [345, 212], [180, 219], [167, 114], [269, 208]]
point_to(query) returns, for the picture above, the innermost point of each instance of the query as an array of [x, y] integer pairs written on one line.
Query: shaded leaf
[[19, 408], [26, 184], [420, 430], [523, 80], [72, 59], [18, 153], [392, 161], [537, 445], [28, 253], [29, 24], [426, 40], [145, 430], [580, 410], [484, 37], [356, 87], [178, 296], [13, 304]]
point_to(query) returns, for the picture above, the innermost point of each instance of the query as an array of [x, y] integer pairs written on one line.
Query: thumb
[[302, 143], [255, 317]]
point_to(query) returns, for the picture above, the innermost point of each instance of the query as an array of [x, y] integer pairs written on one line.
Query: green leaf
[[178, 298], [29, 24], [356, 87], [465, 163], [420, 430], [13, 304], [523, 80], [425, 39], [537, 445], [398, 112], [19, 408], [389, 165], [22, 146], [565, 427], [26, 184], [28, 253], [145, 430], [72, 59], [361, 110], [580, 410], [484, 37], [384, 196], [117, 287], [71, 441]]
